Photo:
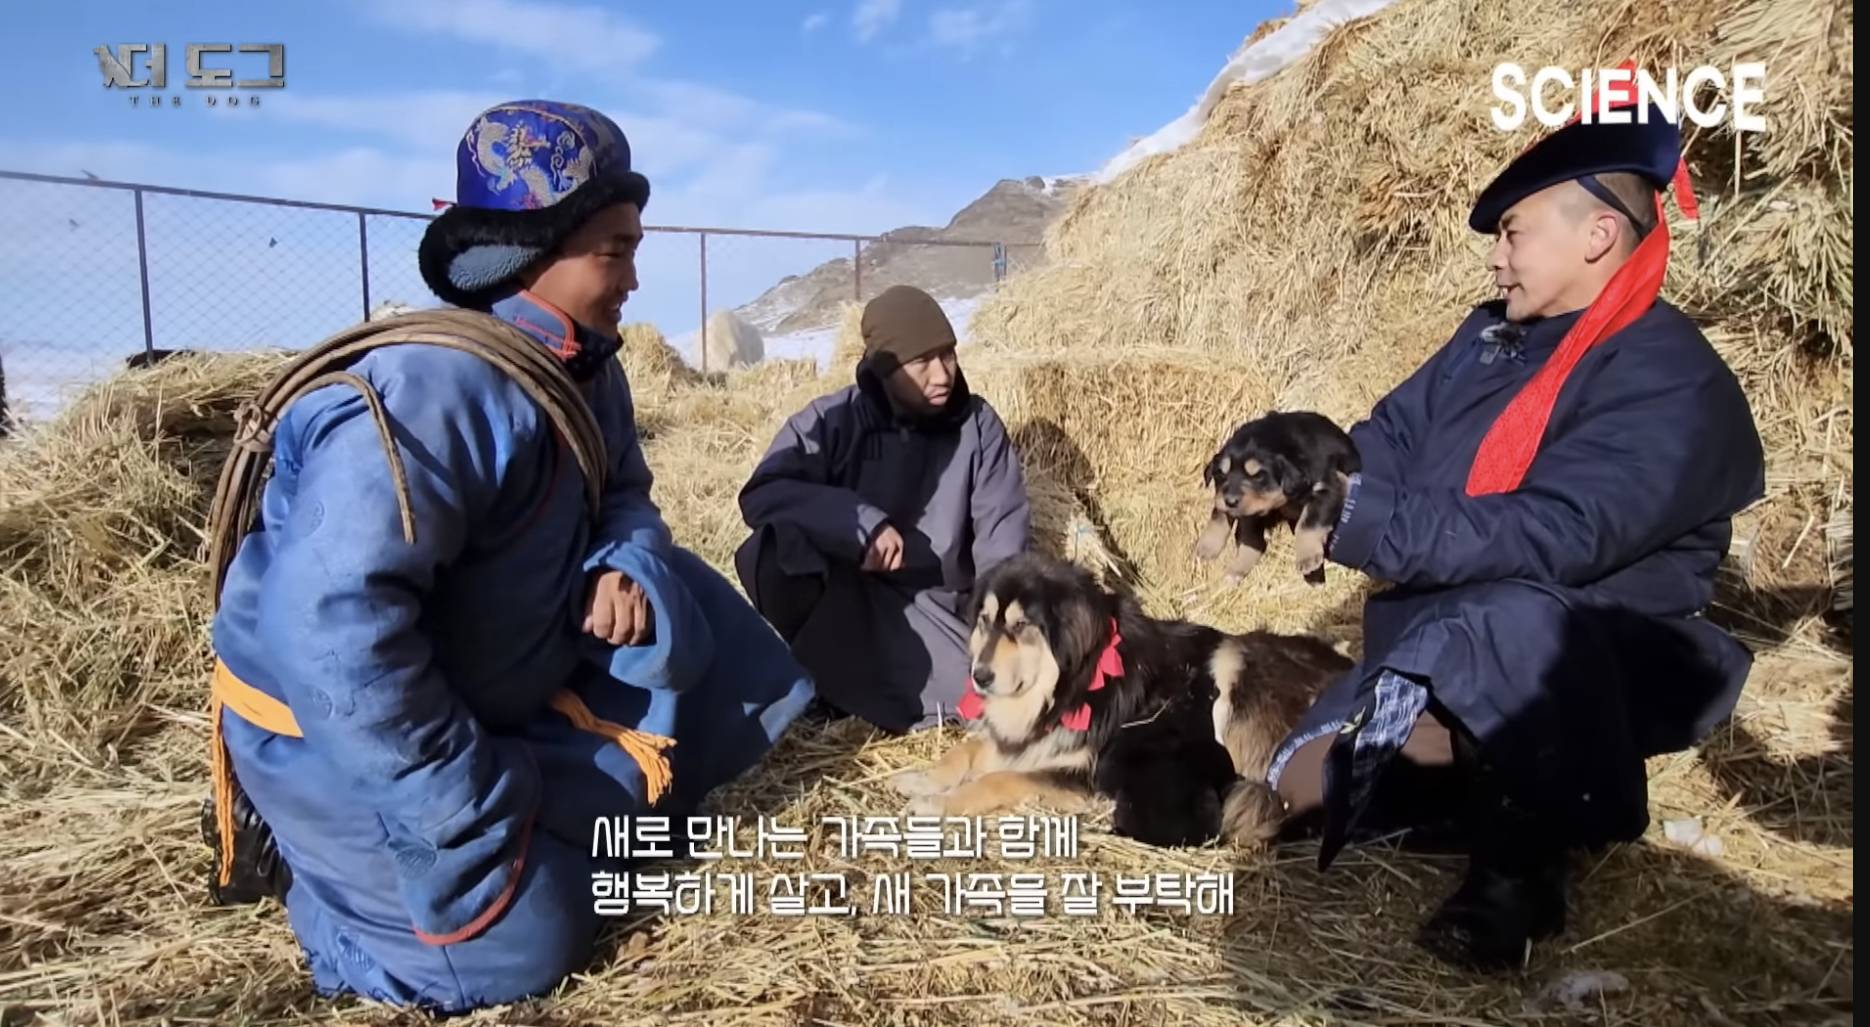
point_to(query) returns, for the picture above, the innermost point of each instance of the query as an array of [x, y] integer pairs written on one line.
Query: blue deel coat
[[437, 814], [1561, 624]]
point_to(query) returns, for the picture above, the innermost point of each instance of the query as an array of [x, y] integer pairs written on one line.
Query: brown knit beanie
[[901, 324]]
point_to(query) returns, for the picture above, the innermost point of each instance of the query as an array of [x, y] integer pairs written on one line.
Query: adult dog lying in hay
[[1066, 673]]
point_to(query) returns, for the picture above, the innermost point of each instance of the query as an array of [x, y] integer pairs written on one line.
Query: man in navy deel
[[1549, 497]]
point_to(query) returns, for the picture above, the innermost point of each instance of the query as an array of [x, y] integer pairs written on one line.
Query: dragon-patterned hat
[[528, 173]]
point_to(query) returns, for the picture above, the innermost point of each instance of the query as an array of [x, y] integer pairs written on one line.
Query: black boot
[[258, 869], [1513, 895]]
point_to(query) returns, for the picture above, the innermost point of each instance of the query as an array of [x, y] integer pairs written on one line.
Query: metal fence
[[94, 272]]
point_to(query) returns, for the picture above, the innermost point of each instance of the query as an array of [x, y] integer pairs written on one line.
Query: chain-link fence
[[95, 273]]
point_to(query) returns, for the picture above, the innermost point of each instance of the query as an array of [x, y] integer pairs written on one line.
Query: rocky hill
[[1013, 211]]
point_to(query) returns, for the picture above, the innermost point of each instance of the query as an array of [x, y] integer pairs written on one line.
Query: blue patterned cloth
[[532, 153], [527, 175]]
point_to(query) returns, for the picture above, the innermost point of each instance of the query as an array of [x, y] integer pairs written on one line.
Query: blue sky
[[822, 115]]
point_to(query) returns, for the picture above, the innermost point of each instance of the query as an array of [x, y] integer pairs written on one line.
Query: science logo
[[122, 63], [1736, 95]]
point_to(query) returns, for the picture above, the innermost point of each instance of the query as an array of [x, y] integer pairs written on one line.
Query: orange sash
[[269, 714]]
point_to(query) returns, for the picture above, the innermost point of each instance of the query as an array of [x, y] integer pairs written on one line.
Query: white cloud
[[815, 21], [873, 16], [431, 120], [816, 123], [674, 125], [871, 209], [363, 176], [721, 110], [734, 188], [589, 38], [966, 29], [359, 175]]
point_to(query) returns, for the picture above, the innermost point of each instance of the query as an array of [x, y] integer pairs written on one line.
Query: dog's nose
[[983, 678]]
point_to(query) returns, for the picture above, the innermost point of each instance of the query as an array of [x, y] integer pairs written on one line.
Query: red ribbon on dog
[[1109, 665]]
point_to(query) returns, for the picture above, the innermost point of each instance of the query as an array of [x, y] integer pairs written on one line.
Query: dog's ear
[[982, 589], [1207, 470], [1081, 628], [1288, 476]]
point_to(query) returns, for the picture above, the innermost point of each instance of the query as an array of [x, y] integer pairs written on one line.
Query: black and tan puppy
[[1063, 669], [1285, 468]]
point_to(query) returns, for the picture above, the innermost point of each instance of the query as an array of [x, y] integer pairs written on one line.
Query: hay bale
[[103, 589], [653, 366], [849, 348], [1062, 527]]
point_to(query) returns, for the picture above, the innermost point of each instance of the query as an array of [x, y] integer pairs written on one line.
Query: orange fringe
[[643, 747], [263, 711]]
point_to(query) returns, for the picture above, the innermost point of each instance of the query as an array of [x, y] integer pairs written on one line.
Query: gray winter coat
[[889, 647]]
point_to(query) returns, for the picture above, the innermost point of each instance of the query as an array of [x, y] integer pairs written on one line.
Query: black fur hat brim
[[470, 255]]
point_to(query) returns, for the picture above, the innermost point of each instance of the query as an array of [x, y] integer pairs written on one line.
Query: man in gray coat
[[873, 514]]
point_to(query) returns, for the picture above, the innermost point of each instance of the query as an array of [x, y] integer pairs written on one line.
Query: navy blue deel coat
[[1561, 624]]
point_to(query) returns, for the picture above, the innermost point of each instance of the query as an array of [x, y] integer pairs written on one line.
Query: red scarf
[[1508, 449], [1109, 665]]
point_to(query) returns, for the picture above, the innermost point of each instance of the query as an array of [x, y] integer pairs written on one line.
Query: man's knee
[[547, 932], [785, 600]]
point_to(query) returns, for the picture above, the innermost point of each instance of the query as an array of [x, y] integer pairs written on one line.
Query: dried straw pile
[[1116, 367], [104, 654], [103, 596]]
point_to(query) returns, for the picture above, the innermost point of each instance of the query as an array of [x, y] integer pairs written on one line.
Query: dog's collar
[[1109, 665]]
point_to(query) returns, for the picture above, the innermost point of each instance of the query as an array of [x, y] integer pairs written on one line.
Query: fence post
[[701, 351], [857, 270], [142, 270], [363, 260]]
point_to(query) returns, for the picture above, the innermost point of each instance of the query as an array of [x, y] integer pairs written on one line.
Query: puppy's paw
[[1213, 539], [1308, 548], [1245, 559], [915, 783], [935, 805]]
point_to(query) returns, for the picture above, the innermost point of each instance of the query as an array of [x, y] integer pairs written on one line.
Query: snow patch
[[42, 379], [1055, 184], [1250, 64]]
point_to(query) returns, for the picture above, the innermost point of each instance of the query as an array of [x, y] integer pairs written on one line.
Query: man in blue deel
[[425, 724], [1549, 496]]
